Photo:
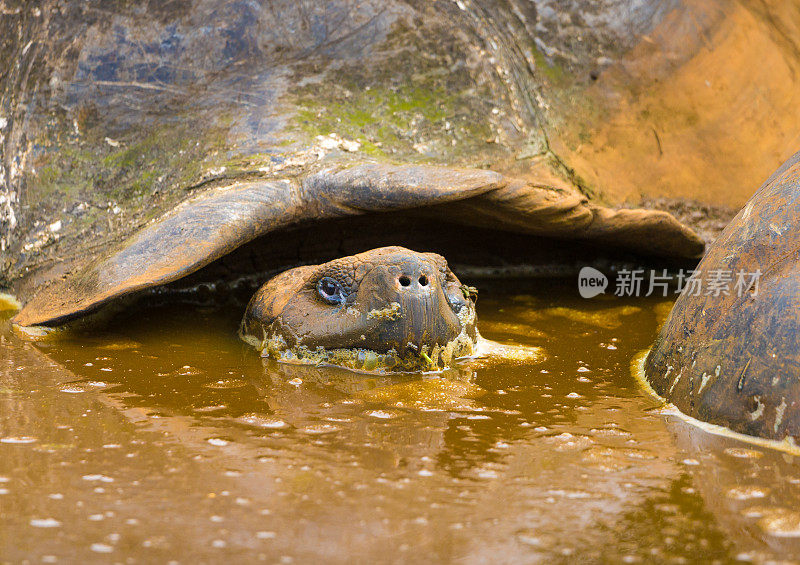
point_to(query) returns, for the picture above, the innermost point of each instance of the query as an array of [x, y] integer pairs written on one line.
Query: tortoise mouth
[[413, 358]]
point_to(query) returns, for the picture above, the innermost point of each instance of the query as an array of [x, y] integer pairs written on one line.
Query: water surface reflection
[[165, 438]]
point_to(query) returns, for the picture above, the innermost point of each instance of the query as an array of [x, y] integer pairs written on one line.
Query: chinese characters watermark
[[649, 282]]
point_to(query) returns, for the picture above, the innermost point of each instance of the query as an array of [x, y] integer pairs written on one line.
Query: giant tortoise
[[730, 354], [112, 113], [386, 300], [145, 148]]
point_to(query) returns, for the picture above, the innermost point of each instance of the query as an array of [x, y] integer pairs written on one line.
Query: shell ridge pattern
[[202, 229]]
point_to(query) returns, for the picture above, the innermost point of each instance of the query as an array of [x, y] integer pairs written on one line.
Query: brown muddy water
[[164, 439]]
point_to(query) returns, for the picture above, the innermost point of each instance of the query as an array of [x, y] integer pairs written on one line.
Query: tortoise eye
[[330, 290]]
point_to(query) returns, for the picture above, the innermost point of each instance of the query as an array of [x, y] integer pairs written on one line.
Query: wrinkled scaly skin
[[734, 359], [112, 112], [394, 309]]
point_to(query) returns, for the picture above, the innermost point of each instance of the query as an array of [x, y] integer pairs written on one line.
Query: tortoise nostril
[[404, 280], [423, 280]]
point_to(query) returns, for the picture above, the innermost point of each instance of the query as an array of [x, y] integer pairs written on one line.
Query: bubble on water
[[217, 519], [55, 496], [487, 474], [638, 454], [188, 370], [352, 401], [567, 441], [266, 535], [690, 461], [425, 473], [382, 414], [98, 477], [610, 432], [97, 384], [259, 421], [101, 548], [218, 441], [45, 523], [210, 408], [4, 491], [781, 522], [319, 429], [157, 542], [96, 517], [744, 453], [574, 395], [21, 440], [219, 543], [747, 492], [584, 370], [222, 384]]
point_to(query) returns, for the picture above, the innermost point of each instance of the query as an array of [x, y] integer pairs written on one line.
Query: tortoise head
[[389, 308]]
